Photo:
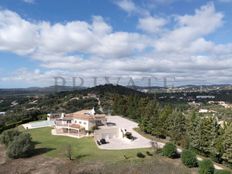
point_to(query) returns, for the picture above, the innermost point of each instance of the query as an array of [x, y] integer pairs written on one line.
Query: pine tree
[[177, 127], [227, 144], [161, 126], [203, 134], [142, 103], [132, 110], [147, 120]]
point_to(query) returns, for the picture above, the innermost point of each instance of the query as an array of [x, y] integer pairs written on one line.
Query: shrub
[[69, 151], [140, 155], [21, 146], [149, 153], [129, 135], [206, 167], [216, 158], [126, 157], [8, 136], [169, 150], [42, 116], [222, 172], [188, 158], [159, 151]]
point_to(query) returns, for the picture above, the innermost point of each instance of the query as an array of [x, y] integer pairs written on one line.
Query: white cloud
[[151, 24], [165, 2], [29, 1], [42, 40], [119, 44], [80, 48], [190, 28], [130, 7], [205, 21], [127, 5], [100, 27], [225, 1], [16, 34], [96, 38]]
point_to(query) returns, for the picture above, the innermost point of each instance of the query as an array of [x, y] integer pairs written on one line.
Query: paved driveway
[[124, 143], [140, 142]]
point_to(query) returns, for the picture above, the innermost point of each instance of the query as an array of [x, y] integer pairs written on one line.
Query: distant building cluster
[[206, 111], [221, 103], [205, 97], [2, 113]]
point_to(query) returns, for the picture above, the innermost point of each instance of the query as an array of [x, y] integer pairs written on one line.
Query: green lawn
[[84, 149], [87, 154]]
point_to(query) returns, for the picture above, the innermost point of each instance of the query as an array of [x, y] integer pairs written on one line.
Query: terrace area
[[114, 136]]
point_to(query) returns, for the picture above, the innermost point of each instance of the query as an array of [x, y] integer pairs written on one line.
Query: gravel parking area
[[124, 143], [140, 142]]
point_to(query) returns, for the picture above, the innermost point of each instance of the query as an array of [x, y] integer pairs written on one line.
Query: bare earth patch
[[44, 165], [35, 165], [2, 155]]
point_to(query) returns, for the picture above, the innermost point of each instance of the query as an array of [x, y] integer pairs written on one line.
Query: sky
[[127, 41]]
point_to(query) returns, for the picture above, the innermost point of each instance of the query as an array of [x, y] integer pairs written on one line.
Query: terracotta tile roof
[[65, 119], [80, 116], [100, 117], [84, 112], [84, 115]]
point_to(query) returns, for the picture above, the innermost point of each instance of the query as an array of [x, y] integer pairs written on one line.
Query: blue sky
[[188, 40]]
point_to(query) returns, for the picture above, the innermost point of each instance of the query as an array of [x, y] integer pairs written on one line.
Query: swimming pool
[[38, 124]]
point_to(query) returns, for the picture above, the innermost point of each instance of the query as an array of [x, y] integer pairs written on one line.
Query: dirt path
[[2, 155]]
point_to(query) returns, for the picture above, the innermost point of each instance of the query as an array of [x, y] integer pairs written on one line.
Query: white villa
[[79, 124], [113, 132]]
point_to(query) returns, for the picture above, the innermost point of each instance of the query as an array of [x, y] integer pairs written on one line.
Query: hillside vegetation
[[158, 119]]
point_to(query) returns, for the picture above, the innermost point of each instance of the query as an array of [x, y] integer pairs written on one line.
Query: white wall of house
[[84, 123], [65, 121], [91, 124], [2, 113], [48, 117], [108, 133], [203, 111]]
